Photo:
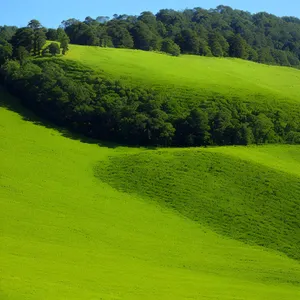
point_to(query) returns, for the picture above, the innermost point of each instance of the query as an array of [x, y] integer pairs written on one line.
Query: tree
[[39, 40], [188, 41], [64, 40], [67, 23], [144, 38], [149, 19], [215, 46], [23, 37], [46, 52], [7, 32], [204, 48], [82, 34], [245, 135], [195, 128], [280, 57], [221, 128], [34, 24], [6, 51], [252, 54], [170, 47], [238, 47], [104, 39], [64, 45], [22, 54], [54, 49], [265, 56], [52, 34], [102, 19], [37, 36], [120, 35], [263, 129], [218, 44]]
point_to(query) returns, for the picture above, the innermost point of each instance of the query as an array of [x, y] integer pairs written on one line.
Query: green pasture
[[188, 77], [75, 226]]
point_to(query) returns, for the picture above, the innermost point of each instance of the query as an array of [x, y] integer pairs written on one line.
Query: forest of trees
[[70, 95], [218, 32]]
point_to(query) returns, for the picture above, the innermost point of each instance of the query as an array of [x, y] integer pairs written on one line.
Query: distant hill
[[219, 32]]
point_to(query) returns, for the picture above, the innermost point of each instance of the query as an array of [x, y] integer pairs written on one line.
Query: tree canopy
[[220, 32]]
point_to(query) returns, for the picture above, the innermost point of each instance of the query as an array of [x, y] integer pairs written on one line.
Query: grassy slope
[[67, 235], [188, 77], [251, 202]]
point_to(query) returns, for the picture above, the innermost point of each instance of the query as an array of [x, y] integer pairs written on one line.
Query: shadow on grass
[[13, 104]]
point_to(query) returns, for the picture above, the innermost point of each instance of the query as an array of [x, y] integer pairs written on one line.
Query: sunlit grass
[[65, 234], [190, 78]]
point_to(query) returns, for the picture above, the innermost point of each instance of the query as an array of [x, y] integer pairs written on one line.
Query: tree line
[[220, 32], [70, 95]]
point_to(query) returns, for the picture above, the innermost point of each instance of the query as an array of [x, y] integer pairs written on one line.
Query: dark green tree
[[189, 41], [54, 49], [6, 51], [64, 40], [198, 128], [144, 38], [23, 37], [39, 40], [52, 34], [170, 47], [34, 24], [120, 35], [7, 32], [238, 47], [263, 129], [39, 36], [22, 54], [215, 45]]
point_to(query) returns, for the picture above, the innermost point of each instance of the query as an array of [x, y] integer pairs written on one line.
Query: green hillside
[[188, 77], [68, 234], [219, 189], [151, 99]]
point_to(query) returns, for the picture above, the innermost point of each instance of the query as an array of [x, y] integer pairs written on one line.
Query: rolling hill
[[190, 78], [85, 220]]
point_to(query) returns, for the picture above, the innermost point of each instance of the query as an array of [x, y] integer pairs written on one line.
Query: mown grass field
[[190, 78], [70, 229]]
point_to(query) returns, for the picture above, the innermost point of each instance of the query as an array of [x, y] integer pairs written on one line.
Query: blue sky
[[51, 13]]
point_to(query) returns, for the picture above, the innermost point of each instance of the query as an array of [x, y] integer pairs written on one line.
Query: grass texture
[[189, 78], [68, 234]]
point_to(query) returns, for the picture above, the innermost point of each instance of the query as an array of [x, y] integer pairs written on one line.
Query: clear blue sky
[[51, 13]]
